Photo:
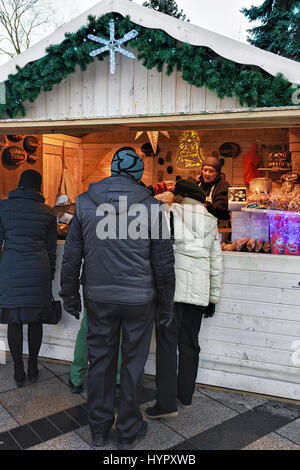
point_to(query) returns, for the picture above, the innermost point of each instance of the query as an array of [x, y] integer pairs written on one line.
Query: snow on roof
[[182, 31]]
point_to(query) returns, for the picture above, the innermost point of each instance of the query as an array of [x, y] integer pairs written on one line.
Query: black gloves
[[164, 314], [72, 305], [209, 310]]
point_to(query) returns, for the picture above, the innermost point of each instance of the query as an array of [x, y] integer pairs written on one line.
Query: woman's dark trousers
[[170, 382]]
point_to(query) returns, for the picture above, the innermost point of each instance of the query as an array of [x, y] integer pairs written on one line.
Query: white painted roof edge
[[182, 31]]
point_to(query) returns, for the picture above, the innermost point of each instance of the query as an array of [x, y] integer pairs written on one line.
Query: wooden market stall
[[252, 341]]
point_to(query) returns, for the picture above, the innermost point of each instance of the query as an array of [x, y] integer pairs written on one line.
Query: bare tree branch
[[19, 20]]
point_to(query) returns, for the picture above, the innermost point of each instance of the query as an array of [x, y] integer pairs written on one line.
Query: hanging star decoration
[[153, 137], [113, 45]]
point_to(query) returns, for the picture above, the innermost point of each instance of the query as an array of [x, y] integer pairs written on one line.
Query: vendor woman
[[215, 188]]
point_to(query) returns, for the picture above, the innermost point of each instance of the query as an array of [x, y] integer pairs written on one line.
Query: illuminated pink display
[[285, 233]]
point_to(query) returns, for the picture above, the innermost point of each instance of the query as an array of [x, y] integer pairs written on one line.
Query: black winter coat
[[28, 231], [219, 205], [116, 269]]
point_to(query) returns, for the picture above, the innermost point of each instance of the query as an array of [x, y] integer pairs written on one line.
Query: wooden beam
[[249, 118]]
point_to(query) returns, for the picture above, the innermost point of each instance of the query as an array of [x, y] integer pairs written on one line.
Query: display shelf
[[275, 169]]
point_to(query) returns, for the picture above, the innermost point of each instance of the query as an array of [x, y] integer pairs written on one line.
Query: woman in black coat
[[215, 189], [28, 234]]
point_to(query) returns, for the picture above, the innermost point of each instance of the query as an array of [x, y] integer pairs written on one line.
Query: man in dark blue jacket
[[128, 278]]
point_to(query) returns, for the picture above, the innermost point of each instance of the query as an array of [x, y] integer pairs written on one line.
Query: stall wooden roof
[[138, 98], [183, 31]]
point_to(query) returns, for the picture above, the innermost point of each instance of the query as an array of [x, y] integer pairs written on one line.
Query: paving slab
[[237, 402], [284, 410], [55, 367], [291, 431], [7, 375], [241, 430], [204, 414], [159, 437], [272, 442], [6, 420], [70, 441], [39, 400]]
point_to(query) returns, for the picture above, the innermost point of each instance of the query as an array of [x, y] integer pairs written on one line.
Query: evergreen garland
[[199, 66]]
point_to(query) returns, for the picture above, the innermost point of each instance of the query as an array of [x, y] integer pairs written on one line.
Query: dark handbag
[[53, 315]]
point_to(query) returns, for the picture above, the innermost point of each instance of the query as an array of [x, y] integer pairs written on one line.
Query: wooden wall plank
[[259, 278], [76, 99], [100, 87], [63, 98], [245, 382], [263, 262], [264, 294], [244, 352], [126, 87], [213, 102], [52, 103], [259, 309], [258, 369], [140, 88], [113, 89], [154, 100], [253, 324], [168, 92], [183, 95], [88, 84], [256, 339], [40, 106], [198, 99]]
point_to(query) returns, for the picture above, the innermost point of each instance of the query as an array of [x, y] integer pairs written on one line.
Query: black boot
[[19, 377], [33, 372]]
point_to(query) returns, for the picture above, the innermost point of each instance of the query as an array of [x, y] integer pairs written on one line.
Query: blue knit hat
[[127, 161]]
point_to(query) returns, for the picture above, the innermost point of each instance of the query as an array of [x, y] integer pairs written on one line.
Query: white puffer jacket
[[198, 254]]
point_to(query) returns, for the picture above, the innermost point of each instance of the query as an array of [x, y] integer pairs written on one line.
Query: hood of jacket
[[119, 191]]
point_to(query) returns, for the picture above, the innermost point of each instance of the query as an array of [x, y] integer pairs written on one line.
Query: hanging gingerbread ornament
[[13, 156]]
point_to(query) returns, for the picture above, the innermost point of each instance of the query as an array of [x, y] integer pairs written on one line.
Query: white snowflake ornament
[[113, 45]]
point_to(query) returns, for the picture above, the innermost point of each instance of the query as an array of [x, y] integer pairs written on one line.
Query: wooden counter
[[250, 344]]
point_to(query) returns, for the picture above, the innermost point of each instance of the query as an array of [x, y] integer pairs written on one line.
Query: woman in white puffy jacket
[[198, 270]]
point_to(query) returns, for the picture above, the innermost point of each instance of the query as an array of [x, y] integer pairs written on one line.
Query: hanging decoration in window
[[189, 153]]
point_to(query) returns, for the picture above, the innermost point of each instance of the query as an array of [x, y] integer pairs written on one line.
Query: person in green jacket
[[79, 365]]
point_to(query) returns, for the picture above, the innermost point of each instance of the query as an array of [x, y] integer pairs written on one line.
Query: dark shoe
[[99, 441], [156, 411], [33, 375], [33, 371], [140, 435], [75, 388], [185, 406], [19, 377]]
